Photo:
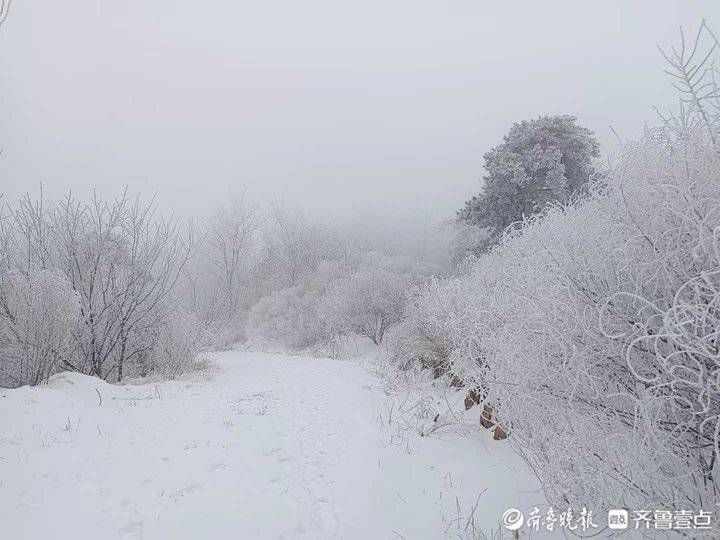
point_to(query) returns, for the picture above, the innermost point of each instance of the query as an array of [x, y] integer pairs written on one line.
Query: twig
[[4, 10], [471, 517]]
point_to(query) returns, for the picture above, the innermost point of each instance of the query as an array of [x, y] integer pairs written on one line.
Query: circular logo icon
[[512, 519]]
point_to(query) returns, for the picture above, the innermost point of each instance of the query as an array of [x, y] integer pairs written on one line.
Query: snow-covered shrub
[[289, 317], [367, 303], [121, 260], [593, 329], [179, 341], [423, 336], [39, 316], [362, 294], [293, 248], [466, 241], [229, 331]]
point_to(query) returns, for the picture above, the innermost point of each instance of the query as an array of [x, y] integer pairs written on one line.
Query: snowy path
[[266, 446]]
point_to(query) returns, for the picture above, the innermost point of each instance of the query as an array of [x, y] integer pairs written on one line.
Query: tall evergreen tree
[[540, 161]]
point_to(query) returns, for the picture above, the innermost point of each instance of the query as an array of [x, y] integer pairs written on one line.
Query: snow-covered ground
[[262, 446]]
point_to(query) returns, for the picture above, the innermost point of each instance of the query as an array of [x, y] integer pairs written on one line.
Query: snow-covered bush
[[121, 260], [39, 317], [289, 317], [293, 248], [371, 299], [367, 303], [422, 338], [593, 329], [362, 294], [179, 341], [466, 241]]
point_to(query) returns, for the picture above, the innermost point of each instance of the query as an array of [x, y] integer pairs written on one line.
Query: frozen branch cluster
[[592, 328], [91, 287], [39, 315], [362, 294], [216, 283], [110, 289]]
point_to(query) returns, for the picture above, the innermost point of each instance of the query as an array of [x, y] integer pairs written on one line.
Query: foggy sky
[[368, 107]]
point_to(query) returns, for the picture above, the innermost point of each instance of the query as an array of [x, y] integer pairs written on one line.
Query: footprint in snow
[[132, 529], [187, 490]]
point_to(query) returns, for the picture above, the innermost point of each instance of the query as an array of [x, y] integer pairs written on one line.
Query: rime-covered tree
[[216, 278], [39, 317], [540, 161], [369, 302], [121, 262]]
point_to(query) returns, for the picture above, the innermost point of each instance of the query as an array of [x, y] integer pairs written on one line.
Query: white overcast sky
[[367, 107]]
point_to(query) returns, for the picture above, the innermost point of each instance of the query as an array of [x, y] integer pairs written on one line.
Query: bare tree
[[368, 302], [294, 245], [156, 255], [121, 260], [218, 276]]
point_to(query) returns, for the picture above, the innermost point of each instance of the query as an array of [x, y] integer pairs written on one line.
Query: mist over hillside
[[317, 270]]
